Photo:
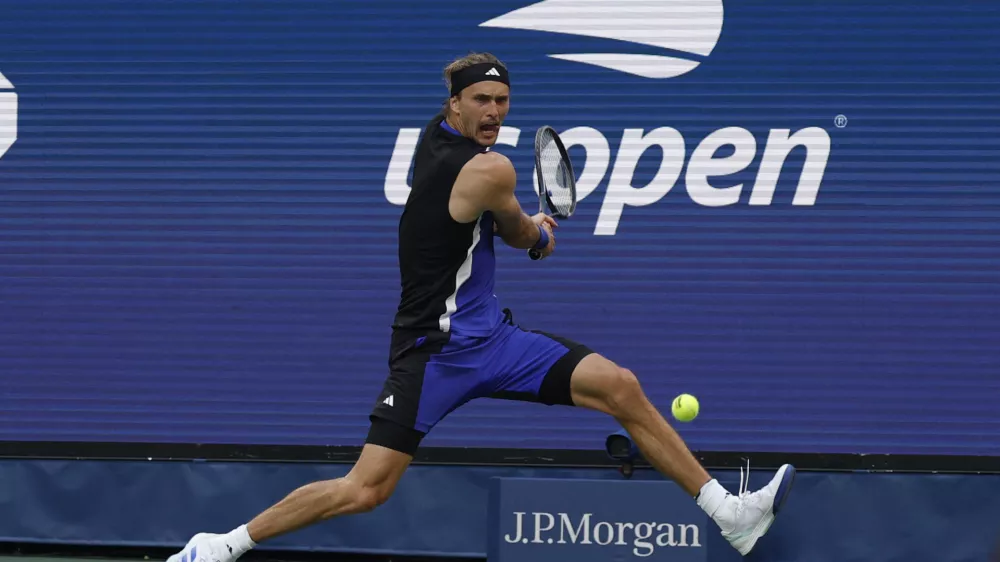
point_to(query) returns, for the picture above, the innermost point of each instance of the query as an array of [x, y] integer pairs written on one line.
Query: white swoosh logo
[[689, 26]]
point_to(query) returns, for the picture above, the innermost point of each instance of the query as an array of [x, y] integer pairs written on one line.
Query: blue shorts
[[432, 374]]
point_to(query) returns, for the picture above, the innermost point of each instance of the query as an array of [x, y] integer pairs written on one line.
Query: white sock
[[240, 541], [711, 497]]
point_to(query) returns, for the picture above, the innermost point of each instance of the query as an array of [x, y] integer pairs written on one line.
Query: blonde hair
[[467, 61]]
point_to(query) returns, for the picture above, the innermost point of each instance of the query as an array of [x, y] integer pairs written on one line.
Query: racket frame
[[545, 204]]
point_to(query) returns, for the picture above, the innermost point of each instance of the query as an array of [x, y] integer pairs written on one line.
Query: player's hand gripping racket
[[556, 181]]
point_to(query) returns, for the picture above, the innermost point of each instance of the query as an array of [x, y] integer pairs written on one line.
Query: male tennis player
[[452, 343]]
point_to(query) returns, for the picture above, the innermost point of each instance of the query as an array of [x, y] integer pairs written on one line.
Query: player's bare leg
[[599, 384], [368, 485]]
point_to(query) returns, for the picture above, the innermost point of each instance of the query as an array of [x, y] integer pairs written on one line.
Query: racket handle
[[543, 241]]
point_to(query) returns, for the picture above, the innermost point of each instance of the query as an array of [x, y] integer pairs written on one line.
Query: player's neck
[[453, 122]]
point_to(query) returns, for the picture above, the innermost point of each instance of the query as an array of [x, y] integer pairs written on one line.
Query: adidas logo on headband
[[480, 72]]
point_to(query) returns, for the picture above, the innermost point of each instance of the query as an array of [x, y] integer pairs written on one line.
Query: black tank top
[[446, 268]]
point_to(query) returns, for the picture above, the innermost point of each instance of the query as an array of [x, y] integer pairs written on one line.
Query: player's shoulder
[[491, 168], [491, 161]]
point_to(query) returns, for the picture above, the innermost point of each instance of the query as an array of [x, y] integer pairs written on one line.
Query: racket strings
[[556, 175]]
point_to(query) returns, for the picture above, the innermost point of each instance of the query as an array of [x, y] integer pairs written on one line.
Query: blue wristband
[[543, 239]]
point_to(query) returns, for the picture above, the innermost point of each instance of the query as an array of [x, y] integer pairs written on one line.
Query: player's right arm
[[487, 183]]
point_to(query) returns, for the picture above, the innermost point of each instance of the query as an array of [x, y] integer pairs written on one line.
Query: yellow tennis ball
[[685, 407]]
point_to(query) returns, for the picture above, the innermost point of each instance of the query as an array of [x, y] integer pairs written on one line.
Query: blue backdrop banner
[[789, 209]]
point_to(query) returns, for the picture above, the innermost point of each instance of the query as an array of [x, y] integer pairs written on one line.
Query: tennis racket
[[556, 180]]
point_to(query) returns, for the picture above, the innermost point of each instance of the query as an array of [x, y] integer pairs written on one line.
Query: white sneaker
[[205, 547], [745, 518]]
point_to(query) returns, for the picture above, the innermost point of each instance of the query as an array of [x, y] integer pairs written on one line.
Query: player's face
[[481, 109]]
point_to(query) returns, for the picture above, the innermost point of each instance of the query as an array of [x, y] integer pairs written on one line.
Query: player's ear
[[453, 103]]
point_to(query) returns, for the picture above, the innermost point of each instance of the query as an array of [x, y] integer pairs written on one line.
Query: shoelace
[[744, 483], [744, 495]]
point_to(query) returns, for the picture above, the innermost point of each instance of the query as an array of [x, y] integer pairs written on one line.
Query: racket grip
[[543, 241]]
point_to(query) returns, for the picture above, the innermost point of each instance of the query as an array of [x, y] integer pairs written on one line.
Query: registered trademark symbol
[[840, 121]]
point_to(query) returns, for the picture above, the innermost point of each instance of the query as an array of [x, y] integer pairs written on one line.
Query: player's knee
[[372, 497], [365, 497], [624, 392], [381, 494]]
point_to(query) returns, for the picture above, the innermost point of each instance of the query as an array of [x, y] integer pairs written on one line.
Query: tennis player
[[452, 342]]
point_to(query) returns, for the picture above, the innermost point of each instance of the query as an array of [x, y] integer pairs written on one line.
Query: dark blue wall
[[197, 228], [197, 245], [830, 517]]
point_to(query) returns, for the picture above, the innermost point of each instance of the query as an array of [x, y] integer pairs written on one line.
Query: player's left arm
[[513, 225], [486, 183]]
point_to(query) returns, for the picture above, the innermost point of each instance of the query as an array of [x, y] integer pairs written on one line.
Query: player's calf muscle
[[316, 502], [367, 486]]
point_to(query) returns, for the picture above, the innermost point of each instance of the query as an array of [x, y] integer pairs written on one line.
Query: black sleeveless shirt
[[446, 268]]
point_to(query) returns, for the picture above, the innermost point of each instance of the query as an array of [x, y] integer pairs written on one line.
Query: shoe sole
[[784, 487], [787, 481]]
